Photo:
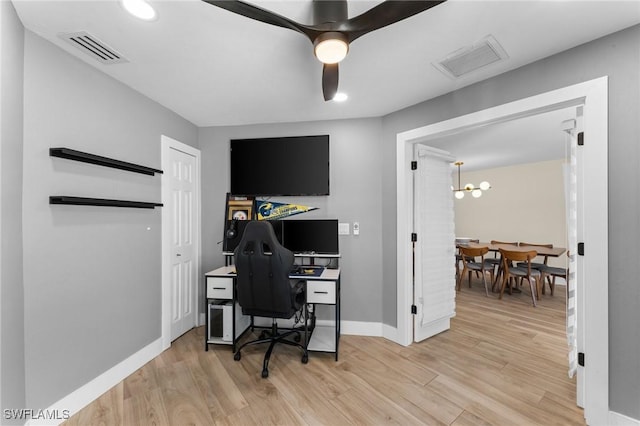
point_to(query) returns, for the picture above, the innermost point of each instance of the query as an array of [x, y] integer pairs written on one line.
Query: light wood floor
[[502, 363]]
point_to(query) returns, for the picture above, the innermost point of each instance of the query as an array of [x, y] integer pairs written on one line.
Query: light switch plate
[[343, 229]]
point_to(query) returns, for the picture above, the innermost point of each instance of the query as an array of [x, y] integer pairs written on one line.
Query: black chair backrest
[[263, 267]]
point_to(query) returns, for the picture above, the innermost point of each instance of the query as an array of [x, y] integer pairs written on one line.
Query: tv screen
[[307, 236], [296, 165]]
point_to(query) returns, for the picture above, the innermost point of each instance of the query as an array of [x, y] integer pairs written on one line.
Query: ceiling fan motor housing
[[325, 11]]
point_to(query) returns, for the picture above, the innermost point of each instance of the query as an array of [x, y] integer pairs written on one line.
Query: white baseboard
[[84, 395], [361, 328], [617, 419]]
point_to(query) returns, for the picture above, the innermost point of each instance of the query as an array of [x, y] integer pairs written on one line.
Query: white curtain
[[571, 197], [434, 217]]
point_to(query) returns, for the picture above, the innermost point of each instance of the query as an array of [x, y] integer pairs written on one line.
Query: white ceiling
[[216, 68], [525, 140]]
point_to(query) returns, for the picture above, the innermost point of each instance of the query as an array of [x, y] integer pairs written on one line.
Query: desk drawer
[[321, 292], [219, 288]]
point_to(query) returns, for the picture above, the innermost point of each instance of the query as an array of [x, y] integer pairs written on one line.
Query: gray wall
[[92, 275], [355, 196], [12, 364], [617, 56]]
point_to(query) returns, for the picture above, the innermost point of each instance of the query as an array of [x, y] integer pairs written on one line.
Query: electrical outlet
[[356, 228]]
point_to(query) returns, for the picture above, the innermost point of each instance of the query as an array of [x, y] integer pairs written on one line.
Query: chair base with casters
[[273, 337]]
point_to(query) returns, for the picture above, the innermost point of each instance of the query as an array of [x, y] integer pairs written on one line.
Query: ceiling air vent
[[92, 46], [480, 54]]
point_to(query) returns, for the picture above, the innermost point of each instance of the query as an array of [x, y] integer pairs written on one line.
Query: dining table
[[495, 248], [542, 251]]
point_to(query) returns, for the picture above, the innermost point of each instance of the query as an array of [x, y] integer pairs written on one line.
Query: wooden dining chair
[[551, 273], [545, 258], [470, 264], [495, 262], [511, 258], [459, 255]]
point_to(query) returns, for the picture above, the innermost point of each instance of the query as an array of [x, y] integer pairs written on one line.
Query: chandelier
[[476, 192]]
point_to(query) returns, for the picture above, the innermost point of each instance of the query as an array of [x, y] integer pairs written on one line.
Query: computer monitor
[[311, 236]]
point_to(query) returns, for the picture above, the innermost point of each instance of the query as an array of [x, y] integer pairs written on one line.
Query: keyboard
[[305, 269]]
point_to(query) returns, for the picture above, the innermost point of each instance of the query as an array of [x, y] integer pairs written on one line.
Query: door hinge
[[414, 237], [414, 165], [581, 249], [580, 138], [414, 309], [581, 359]]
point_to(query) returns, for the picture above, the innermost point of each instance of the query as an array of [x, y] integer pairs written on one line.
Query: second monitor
[[319, 236]]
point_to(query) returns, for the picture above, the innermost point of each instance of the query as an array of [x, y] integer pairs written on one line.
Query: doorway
[[592, 208], [181, 246]]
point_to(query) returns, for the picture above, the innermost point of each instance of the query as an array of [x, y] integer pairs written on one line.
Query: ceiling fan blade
[[386, 13], [254, 12], [329, 81]]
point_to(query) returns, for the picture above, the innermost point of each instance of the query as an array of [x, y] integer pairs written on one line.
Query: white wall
[[526, 203], [12, 363], [355, 185], [92, 275]]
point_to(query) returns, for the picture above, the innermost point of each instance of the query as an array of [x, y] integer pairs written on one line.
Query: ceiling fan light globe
[[484, 185], [140, 9], [459, 195], [476, 193], [331, 47], [340, 97], [469, 187]]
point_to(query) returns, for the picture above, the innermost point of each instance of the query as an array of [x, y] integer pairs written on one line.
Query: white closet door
[[183, 250], [434, 261]]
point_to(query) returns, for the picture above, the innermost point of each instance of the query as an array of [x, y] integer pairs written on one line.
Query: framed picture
[[240, 208]]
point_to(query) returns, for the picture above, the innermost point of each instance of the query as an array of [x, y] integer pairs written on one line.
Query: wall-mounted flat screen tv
[[297, 165]]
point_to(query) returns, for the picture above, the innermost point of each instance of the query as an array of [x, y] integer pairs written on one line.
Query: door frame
[[593, 95], [167, 144]]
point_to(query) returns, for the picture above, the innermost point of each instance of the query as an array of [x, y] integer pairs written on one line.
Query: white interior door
[[182, 211], [434, 248]]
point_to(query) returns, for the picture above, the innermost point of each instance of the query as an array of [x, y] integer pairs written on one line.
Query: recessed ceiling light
[[340, 97], [140, 9]]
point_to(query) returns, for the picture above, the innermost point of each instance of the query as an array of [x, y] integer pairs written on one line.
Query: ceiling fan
[[332, 30]]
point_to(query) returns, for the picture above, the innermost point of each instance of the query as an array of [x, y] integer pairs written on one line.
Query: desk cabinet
[[221, 308], [322, 291]]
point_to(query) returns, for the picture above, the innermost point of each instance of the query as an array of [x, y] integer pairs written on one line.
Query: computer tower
[[220, 320]]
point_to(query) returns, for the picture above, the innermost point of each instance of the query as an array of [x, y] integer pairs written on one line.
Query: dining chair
[[551, 273], [459, 256], [496, 262], [468, 256], [511, 258]]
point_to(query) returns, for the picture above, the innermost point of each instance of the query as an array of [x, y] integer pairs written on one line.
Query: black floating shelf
[[85, 157], [83, 201]]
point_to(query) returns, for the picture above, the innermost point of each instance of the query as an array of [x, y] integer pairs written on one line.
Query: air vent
[[468, 59], [94, 47]]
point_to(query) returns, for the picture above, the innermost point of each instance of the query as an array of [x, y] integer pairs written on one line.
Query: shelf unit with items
[[224, 320]]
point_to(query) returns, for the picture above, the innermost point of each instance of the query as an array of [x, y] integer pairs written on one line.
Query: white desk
[[320, 290]]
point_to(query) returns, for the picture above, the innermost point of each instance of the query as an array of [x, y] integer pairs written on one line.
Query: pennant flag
[[270, 210]]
